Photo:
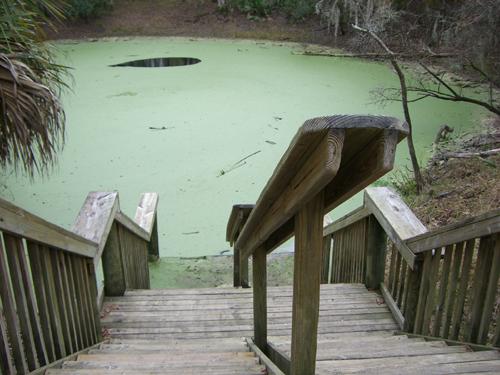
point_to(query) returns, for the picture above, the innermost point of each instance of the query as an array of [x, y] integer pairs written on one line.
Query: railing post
[[376, 245], [93, 298], [240, 270], [114, 275], [414, 280], [325, 265], [306, 285], [259, 272], [153, 246]]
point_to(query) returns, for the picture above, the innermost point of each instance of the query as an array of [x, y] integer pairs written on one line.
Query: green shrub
[[87, 9]]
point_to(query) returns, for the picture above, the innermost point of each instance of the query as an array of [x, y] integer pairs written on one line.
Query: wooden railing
[[442, 283], [49, 293], [329, 160]]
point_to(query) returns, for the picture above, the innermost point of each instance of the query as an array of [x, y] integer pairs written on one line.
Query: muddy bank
[[214, 271]]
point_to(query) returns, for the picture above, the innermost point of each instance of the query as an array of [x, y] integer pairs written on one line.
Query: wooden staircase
[[195, 331]]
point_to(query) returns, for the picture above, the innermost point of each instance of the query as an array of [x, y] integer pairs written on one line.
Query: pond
[[205, 135]]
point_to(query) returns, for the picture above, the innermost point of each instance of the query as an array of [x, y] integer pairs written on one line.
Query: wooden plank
[[307, 178], [474, 227], [354, 216], [68, 299], [24, 224], [397, 269], [402, 283], [82, 303], [14, 247], [325, 263], [132, 226], [366, 165], [32, 307], [452, 289], [237, 219], [443, 290], [413, 292], [74, 300], [491, 293], [306, 286], [6, 363], [396, 313], [58, 299], [479, 286], [397, 219], [39, 274], [370, 135], [90, 287], [95, 219], [271, 368], [281, 359], [11, 317], [145, 214], [397, 215], [458, 308], [112, 265], [259, 271], [423, 293], [59, 363], [430, 304], [391, 280], [154, 244]]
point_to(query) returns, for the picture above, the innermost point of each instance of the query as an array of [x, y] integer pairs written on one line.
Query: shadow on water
[[160, 62]]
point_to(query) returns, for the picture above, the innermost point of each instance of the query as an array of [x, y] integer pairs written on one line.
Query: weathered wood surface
[[352, 337], [306, 286], [96, 217], [326, 150], [22, 223], [271, 368], [237, 219], [147, 219], [229, 312], [397, 219], [259, 269], [464, 230], [346, 220]]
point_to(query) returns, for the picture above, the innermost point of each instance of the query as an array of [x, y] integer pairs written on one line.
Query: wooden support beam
[[376, 244], [397, 219], [259, 271], [115, 282], [11, 317], [147, 219], [96, 217], [306, 286]]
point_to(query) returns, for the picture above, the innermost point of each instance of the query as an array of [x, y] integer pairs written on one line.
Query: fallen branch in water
[[464, 155], [238, 164], [376, 55]]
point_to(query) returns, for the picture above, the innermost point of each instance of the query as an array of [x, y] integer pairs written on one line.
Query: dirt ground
[[195, 18], [461, 187], [214, 271]]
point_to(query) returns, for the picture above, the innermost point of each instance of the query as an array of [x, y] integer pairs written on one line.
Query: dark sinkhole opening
[[161, 62]]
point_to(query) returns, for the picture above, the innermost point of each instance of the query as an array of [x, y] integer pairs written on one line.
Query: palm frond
[[32, 121]]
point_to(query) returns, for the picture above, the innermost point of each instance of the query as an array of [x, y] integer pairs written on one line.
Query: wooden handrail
[[337, 154], [17, 221], [397, 219], [329, 160], [428, 285], [479, 226], [48, 289]]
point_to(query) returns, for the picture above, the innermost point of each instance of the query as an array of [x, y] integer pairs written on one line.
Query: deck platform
[[192, 331]]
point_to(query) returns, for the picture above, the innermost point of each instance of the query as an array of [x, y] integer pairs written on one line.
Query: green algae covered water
[[182, 131]]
